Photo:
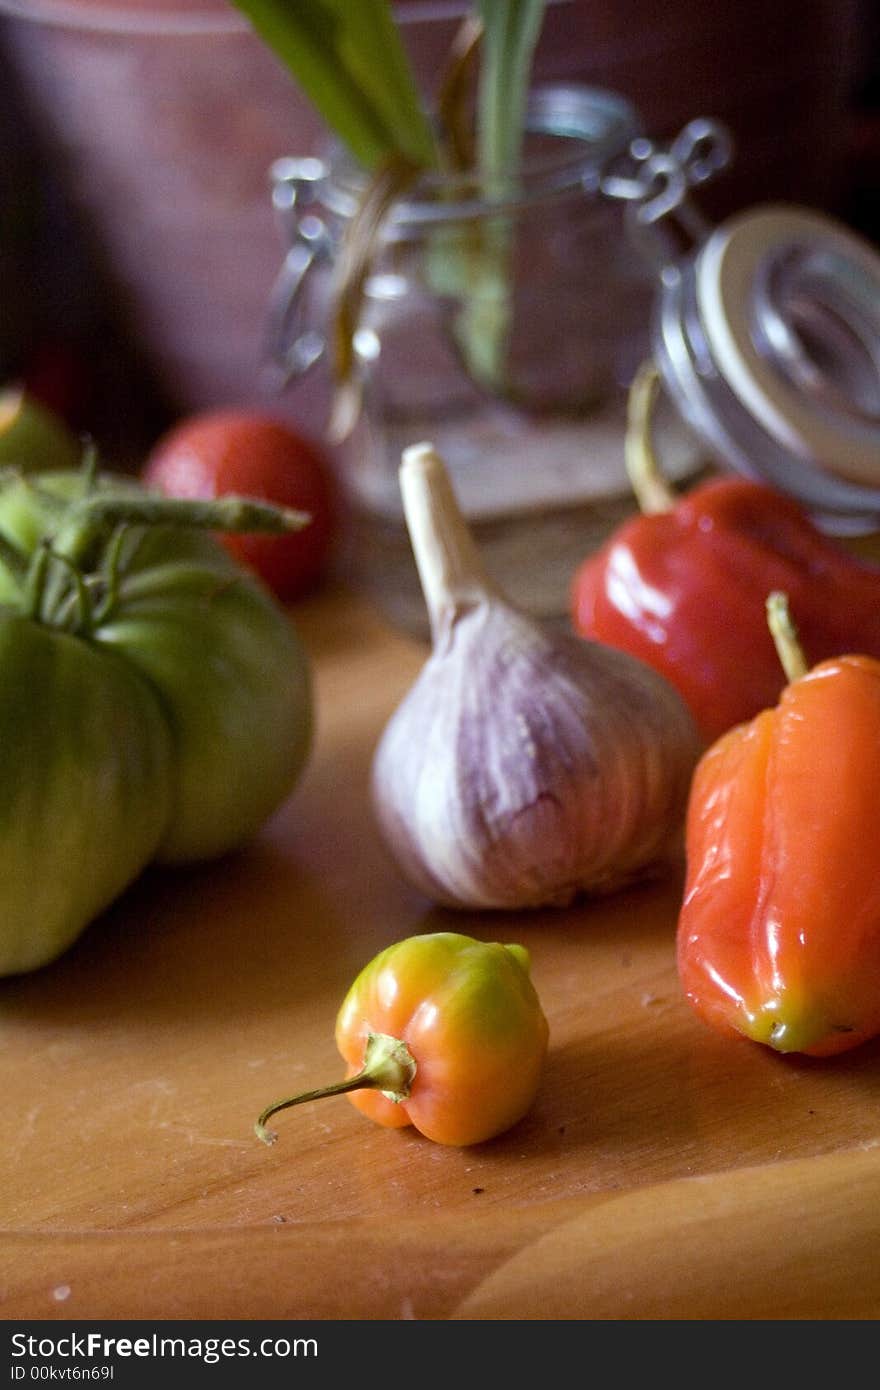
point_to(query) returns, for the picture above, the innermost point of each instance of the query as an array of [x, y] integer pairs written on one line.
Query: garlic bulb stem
[[451, 571]]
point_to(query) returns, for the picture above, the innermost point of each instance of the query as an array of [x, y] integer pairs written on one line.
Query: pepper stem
[[652, 491], [451, 571], [785, 636], [389, 1067]]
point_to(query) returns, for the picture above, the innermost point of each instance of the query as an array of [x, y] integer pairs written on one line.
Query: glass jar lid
[[768, 340]]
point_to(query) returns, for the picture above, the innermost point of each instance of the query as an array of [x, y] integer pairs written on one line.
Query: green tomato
[[85, 787], [32, 436], [169, 627], [233, 680]]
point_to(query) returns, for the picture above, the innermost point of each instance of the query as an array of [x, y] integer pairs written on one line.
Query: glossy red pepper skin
[[779, 930], [684, 590]]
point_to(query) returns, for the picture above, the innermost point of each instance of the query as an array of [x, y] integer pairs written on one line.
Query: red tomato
[[252, 454]]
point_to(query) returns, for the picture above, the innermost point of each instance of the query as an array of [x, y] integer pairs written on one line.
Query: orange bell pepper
[[441, 1032], [779, 931]]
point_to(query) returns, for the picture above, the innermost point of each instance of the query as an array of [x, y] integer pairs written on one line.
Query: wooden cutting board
[[664, 1172]]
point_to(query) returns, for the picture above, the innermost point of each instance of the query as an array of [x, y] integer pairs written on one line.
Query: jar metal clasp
[[655, 183], [766, 330], [291, 346]]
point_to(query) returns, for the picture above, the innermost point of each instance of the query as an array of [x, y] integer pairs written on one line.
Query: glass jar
[[503, 331]]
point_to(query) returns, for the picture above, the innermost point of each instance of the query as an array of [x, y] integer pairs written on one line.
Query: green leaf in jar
[[347, 56]]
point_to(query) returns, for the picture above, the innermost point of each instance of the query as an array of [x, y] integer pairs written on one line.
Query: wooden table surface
[[663, 1173]]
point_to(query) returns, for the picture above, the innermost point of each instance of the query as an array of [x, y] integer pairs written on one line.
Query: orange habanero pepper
[[441, 1032], [779, 931]]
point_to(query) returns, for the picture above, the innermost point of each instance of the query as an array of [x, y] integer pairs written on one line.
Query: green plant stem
[[510, 30], [457, 143], [510, 34], [353, 266]]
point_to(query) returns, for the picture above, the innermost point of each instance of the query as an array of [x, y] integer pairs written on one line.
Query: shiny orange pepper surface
[[779, 932], [469, 1015], [441, 1032]]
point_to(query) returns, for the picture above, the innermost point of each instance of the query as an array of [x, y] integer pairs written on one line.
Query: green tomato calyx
[[68, 576], [389, 1067]]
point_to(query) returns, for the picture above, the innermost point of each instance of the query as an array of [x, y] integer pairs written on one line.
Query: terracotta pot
[[164, 115]]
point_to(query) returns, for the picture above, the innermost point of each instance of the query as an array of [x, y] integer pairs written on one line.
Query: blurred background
[[137, 242]]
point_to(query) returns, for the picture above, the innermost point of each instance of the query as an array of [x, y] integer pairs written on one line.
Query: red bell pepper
[[684, 590]]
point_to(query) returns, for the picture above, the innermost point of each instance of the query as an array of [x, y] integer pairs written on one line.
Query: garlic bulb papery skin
[[523, 767]]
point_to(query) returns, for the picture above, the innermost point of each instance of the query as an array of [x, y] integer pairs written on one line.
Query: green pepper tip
[[787, 1025]]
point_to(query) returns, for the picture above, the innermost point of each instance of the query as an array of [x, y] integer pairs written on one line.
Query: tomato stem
[[653, 492], [389, 1067], [35, 583], [228, 513], [14, 561], [89, 465], [111, 582], [785, 636], [91, 515], [76, 599]]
